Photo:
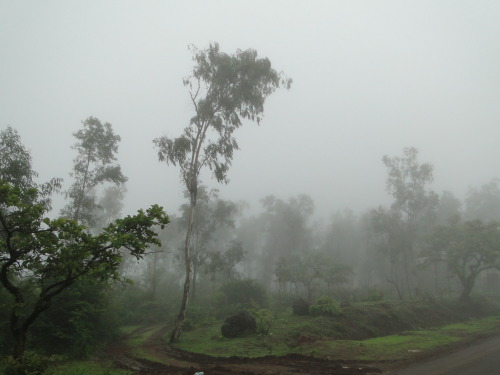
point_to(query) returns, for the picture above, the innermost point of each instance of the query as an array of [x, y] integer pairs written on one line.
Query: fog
[[368, 79]]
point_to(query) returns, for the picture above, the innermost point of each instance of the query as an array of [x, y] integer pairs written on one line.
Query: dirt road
[[479, 358], [168, 360]]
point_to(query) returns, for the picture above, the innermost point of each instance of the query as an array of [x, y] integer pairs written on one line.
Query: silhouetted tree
[[483, 203], [95, 164], [468, 249], [413, 205], [224, 90]]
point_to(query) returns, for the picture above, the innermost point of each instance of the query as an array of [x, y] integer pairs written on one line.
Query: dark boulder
[[238, 325]]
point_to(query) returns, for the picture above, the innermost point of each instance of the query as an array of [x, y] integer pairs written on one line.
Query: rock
[[238, 325]]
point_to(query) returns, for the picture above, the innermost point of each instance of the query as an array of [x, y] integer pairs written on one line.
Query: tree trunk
[[195, 264], [195, 274], [20, 342], [187, 281], [467, 285], [153, 280]]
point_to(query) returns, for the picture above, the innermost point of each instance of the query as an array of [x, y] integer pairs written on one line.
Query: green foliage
[[133, 305], [224, 262], [6, 306], [247, 293], [201, 314], [16, 168], [406, 182], [56, 253], [15, 163], [351, 334], [86, 368], [224, 89], [30, 363], [468, 249], [484, 203], [94, 164], [326, 306], [370, 294], [287, 236], [265, 319], [410, 217], [374, 294], [79, 322]]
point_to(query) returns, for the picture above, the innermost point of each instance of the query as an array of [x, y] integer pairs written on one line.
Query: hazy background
[[370, 78]]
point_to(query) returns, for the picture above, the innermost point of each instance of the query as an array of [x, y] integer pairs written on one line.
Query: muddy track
[[169, 360]]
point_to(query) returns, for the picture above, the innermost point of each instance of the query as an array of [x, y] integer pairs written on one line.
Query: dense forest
[[69, 282]]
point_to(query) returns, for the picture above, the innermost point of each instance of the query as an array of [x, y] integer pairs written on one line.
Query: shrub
[[198, 315], [374, 294], [264, 319], [78, 323], [326, 306], [246, 293], [300, 307], [29, 364]]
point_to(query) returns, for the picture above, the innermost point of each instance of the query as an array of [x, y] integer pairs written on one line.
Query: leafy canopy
[[95, 163], [53, 254], [224, 90], [407, 180], [16, 168], [467, 248], [62, 249]]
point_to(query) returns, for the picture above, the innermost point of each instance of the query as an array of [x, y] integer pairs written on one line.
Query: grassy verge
[[208, 340], [87, 368], [139, 337], [407, 344], [136, 342], [128, 330], [82, 368]]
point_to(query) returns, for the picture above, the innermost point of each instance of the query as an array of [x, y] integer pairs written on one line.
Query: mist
[[369, 80], [351, 188]]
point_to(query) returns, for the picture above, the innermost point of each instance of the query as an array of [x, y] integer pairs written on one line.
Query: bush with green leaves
[[374, 294], [79, 322], [326, 306], [247, 293], [200, 314], [30, 363], [264, 319]]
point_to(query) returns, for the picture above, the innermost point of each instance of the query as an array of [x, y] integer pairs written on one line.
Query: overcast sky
[[370, 78]]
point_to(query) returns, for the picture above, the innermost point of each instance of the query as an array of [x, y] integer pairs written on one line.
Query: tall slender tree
[[224, 90], [95, 164], [212, 216], [413, 205]]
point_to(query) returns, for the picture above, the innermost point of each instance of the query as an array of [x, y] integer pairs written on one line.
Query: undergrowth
[[363, 331]]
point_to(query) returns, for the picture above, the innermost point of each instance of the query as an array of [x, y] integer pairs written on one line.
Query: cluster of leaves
[[224, 90], [247, 293], [55, 253], [468, 248], [80, 321], [326, 306], [265, 320], [30, 363], [94, 164], [310, 268]]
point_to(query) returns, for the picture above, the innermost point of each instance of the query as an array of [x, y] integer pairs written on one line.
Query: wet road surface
[[481, 358]]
